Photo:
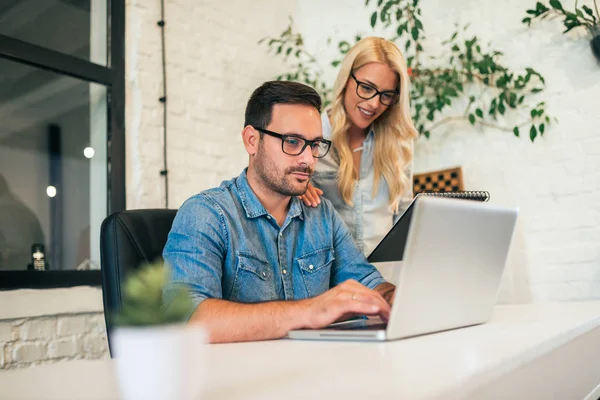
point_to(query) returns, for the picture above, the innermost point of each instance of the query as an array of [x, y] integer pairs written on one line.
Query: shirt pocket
[[253, 280], [316, 270]]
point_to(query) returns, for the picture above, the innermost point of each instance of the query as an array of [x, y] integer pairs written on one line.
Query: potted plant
[[157, 355], [583, 17]]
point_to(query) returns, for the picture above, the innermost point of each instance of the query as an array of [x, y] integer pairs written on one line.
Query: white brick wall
[[214, 64], [556, 181], [26, 342]]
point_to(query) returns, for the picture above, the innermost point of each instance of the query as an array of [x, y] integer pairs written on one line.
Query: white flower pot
[[159, 362]]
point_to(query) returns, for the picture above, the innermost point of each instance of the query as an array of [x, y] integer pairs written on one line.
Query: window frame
[[112, 77]]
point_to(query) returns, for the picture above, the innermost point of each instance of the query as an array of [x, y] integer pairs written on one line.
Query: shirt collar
[[252, 205]]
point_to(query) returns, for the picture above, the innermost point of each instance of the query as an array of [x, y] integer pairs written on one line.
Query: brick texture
[[48, 339], [213, 64]]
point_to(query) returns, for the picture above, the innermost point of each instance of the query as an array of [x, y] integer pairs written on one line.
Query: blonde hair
[[394, 128]]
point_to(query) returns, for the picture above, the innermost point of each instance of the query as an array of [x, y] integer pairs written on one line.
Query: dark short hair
[[260, 105]]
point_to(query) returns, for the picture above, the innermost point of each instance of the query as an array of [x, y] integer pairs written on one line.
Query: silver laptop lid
[[453, 264]]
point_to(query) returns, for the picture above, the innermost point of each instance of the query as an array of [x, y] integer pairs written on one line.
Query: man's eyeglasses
[[367, 92], [294, 145]]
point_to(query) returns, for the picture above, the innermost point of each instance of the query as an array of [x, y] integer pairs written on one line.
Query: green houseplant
[[580, 18], [465, 73], [142, 303], [157, 356]]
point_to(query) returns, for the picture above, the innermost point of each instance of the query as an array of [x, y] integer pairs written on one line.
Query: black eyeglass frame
[[306, 141], [377, 92]]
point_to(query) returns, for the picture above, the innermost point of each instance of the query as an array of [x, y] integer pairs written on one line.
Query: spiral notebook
[[391, 247]]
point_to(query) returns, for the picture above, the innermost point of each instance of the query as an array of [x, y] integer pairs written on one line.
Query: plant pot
[[595, 43], [159, 362]]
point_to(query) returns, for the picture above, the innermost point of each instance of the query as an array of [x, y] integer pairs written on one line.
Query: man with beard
[[257, 261]]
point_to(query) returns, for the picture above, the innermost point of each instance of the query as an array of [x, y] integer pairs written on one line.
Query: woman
[[368, 174]]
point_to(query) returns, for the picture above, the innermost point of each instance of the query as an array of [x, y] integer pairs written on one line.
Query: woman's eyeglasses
[[367, 92]]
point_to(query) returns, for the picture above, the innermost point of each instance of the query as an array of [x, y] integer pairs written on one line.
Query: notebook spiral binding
[[477, 195]]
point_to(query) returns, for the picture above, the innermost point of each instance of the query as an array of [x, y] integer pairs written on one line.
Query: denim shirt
[[224, 245], [370, 217]]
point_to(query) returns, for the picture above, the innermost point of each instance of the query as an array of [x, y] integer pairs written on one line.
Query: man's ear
[[251, 138]]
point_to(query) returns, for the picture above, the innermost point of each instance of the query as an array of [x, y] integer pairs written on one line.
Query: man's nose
[[307, 157]]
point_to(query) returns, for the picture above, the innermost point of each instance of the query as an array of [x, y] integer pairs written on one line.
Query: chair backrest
[[129, 239]]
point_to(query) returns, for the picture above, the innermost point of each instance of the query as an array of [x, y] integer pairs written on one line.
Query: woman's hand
[[312, 197]]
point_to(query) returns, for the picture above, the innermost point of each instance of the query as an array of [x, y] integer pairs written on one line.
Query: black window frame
[[112, 77]]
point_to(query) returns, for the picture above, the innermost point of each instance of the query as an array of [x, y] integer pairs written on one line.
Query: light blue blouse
[[370, 218]]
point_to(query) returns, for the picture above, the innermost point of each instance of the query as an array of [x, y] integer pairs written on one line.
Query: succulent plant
[[143, 302]]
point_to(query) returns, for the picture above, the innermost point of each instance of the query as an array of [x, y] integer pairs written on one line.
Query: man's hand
[[344, 301], [312, 197], [227, 321], [387, 291]]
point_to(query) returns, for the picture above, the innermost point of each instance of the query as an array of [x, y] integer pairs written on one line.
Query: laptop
[[454, 259], [391, 247]]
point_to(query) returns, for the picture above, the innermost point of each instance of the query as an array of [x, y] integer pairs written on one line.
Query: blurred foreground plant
[[143, 303]]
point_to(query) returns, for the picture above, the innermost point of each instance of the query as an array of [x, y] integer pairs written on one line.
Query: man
[[258, 262]]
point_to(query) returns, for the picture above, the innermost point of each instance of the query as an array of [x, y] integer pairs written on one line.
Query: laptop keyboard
[[366, 326]]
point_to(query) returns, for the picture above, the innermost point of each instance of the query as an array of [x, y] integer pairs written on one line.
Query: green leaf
[[533, 113], [344, 46], [536, 90], [414, 33], [479, 113], [556, 4], [501, 107], [472, 119], [541, 129], [589, 12], [516, 131], [373, 19], [335, 63], [288, 51], [532, 133], [526, 21], [379, 2], [418, 24]]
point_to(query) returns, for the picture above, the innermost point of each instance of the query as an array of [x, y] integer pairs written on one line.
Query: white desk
[[545, 351]]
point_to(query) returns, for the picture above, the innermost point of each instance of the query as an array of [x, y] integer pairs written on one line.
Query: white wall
[[213, 64], [556, 180]]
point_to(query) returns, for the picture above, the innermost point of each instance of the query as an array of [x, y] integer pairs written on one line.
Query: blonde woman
[[368, 174]]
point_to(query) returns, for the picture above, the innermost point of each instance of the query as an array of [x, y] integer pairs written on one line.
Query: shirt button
[[280, 234], [264, 274], [311, 266], [284, 272], [268, 217]]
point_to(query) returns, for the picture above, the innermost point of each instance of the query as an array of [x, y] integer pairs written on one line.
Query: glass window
[[53, 169], [74, 27]]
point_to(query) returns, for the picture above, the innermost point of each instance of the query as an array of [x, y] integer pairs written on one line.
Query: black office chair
[[129, 239]]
